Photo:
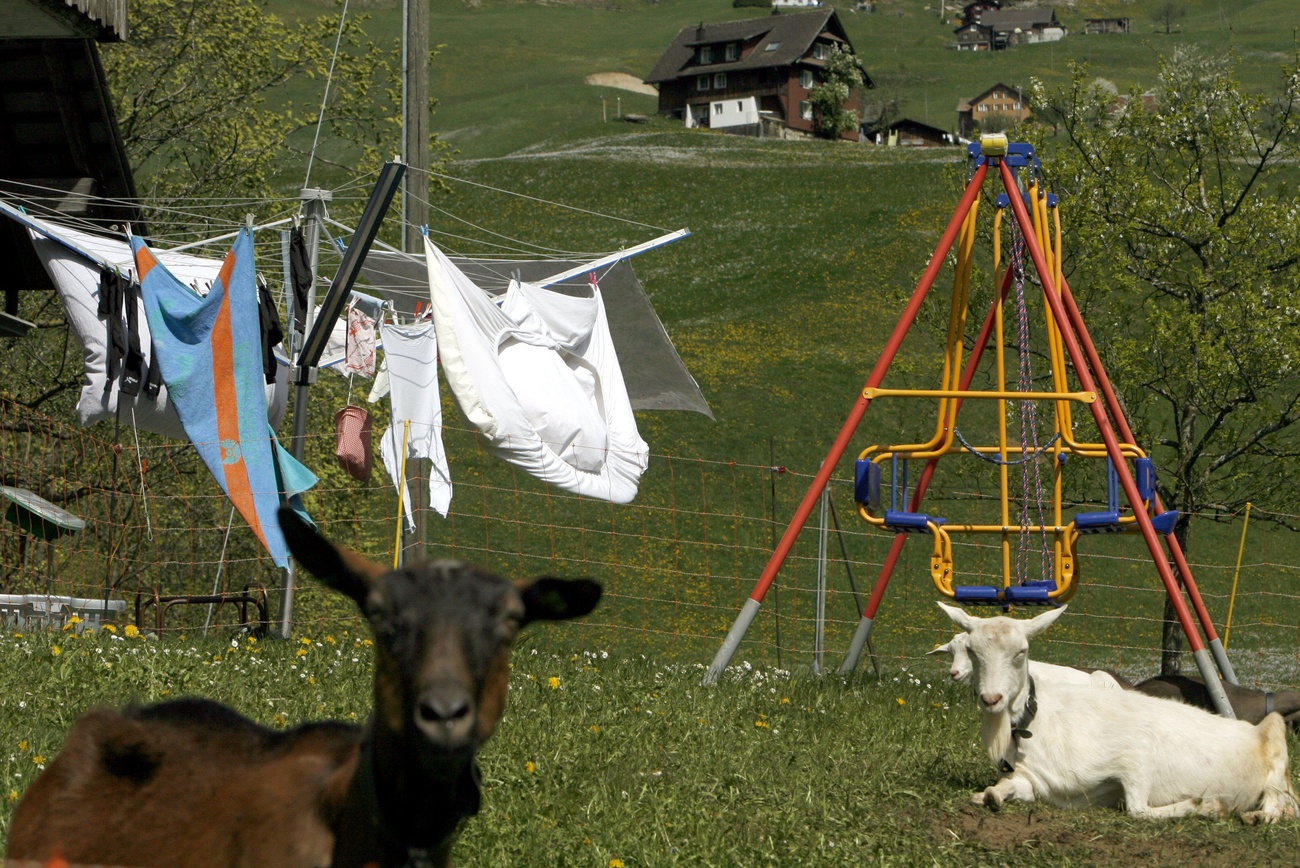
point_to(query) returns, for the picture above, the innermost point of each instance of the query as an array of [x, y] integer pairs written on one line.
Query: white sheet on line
[[411, 354], [538, 376], [73, 259]]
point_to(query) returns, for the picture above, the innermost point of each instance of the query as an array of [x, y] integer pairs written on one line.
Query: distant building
[[1002, 28], [1094, 26], [796, 4], [710, 70], [909, 133], [974, 37], [971, 12], [1001, 101]]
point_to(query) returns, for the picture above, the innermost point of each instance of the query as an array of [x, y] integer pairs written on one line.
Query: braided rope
[[1031, 480]]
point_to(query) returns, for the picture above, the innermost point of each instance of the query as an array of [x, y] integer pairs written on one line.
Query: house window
[[701, 82], [732, 51], [717, 108], [772, 46], [806, 80], [821, 50], [706, 54], [740, 106], [805, 109], [719, 80]]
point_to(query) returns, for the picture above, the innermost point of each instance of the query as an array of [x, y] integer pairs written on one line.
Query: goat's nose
[[446, 709], [990, 699]]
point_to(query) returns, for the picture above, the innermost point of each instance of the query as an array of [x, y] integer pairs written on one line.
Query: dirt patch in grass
[[622, 81], [1048, 834]]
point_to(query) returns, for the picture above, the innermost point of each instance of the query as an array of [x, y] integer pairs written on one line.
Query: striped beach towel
[[209, 349]]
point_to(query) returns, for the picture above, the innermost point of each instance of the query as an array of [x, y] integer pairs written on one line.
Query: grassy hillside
[[512, 74]]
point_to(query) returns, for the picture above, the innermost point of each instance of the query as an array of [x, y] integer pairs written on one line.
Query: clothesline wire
[[573, 208], [284, 209], [320, 118]]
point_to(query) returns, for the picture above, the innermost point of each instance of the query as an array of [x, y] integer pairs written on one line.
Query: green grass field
[[607, 759]]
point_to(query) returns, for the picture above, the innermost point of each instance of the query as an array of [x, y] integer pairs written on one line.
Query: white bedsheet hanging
[[411, 355], [538, 376], [73, 259]]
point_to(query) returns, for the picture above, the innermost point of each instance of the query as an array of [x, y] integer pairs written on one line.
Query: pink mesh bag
[[353, 449]]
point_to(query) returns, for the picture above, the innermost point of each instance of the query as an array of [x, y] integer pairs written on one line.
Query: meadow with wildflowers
[[607, 759]]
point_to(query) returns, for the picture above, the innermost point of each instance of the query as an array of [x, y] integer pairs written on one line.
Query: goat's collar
[[1020, 726]]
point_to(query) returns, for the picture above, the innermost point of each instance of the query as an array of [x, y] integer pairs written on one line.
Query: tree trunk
[[1171, 639]]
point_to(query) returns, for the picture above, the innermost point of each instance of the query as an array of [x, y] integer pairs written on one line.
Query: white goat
[[1079, 745], [958, 647]]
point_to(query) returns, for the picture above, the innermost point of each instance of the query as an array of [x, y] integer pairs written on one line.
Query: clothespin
[[424, 230], [248, 222], [591, 278]]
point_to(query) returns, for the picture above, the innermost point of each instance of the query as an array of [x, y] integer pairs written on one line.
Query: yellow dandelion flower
[[56, 650], [13, 795], [785, 700], [594, 728], [39, 759], [304, 641], [530, 767], [615, 863], [301, 652], [367, 642], [109, 627], [70, 623], [553, 682], [761, 724], [131, 631], [330, 640], [311, 679], [281, 719], [901, 701], [252, 640]]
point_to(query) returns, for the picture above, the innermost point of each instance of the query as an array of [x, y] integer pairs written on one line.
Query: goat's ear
[[945, 648], [550, 599], [958, 616], [1039, 623], [338, 567]]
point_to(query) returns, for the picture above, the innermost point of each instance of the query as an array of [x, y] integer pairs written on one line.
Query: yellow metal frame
[[1047, 228]]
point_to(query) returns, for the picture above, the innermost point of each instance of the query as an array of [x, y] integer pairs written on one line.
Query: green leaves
[[221, 100], [842, 76], [1180, 204]]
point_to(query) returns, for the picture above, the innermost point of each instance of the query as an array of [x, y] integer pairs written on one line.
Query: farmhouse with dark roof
[[742, 75]]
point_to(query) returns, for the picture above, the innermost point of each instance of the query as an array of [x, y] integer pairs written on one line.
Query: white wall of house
[[803, 4], [733, 112]]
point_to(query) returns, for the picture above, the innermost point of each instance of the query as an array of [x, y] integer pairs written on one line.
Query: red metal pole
[[1112, 402], [1098, 409], [877, 375]]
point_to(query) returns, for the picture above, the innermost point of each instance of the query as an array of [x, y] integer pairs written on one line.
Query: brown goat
[[1247, 703], [193, 784]]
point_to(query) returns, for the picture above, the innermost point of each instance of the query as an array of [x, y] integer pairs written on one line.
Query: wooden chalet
[[971, 12], [910, 133], [974, 37], [1022, 26], [1001, 101], [61, 152], [769, 63]]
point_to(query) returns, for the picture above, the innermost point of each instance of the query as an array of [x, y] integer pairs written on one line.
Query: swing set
[[1038, 460]]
